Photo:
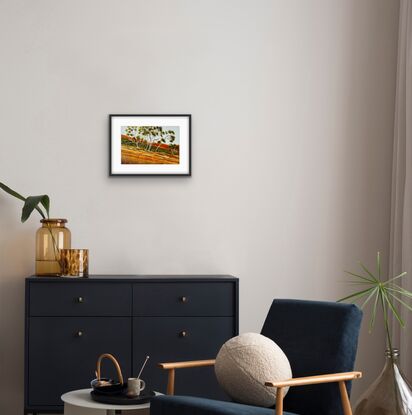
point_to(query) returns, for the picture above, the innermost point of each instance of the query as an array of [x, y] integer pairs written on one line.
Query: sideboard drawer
[[80, 299], [172, 339], [63, 353], [184, 299]]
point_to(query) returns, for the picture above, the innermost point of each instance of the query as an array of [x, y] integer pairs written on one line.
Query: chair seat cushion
[[188, 405]]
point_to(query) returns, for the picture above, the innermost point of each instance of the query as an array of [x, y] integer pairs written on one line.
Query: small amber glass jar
[[50, 238]]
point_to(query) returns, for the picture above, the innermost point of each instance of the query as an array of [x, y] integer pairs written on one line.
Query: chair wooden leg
[[279, 401], [171, 382], [345, 399]]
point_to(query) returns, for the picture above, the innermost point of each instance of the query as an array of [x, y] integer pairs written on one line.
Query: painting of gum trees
[[149, 145]]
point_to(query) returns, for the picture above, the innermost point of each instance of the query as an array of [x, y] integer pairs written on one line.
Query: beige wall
[[292, 105]]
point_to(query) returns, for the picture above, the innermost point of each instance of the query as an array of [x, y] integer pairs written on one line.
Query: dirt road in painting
[[139, 156]]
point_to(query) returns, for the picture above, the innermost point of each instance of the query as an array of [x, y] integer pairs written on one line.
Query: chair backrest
[[318, 338]]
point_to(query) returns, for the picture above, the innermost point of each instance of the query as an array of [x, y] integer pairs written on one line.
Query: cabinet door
[[172, 339], [63, 352]]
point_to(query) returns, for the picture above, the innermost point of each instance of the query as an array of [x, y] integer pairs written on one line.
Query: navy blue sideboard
[[69, 323]]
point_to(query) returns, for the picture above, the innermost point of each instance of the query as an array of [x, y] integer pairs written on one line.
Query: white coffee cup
[[135, 386]]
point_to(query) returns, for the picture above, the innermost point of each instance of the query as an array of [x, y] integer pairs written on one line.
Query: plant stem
[[387, 330], [391, 357], [55, 246]]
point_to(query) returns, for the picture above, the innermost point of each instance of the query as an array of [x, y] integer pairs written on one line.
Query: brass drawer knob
[[79, 333], [184, 299], [183, 333], [80, 299]]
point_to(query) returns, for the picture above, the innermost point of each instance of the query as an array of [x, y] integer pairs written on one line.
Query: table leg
[[78, 410], [145, 411]]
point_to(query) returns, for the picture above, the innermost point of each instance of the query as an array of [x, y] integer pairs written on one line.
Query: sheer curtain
[[401, 217]]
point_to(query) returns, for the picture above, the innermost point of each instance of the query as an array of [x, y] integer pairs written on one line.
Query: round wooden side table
[[79, 402]]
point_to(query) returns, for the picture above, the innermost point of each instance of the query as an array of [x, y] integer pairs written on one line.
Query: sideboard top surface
[[135, 278]]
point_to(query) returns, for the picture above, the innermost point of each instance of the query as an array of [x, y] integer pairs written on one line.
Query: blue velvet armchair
[[319, 338]]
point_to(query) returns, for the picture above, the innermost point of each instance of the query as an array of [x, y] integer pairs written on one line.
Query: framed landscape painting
[[150, 145]]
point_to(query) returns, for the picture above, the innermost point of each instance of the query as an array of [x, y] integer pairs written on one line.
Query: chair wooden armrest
[[341, 378], [312, 380], [171, 366]]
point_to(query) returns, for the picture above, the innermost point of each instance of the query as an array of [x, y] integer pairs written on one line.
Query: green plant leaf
[[373, 316], [11, 192], [369, 297], [356, 295], [403, 303], [20, 197], [368, 272], [45, 201], [360, 283], [378, 264], [360, 276], [392, 307], [386, 321], [402, 290], [402, 274], [31, 203]]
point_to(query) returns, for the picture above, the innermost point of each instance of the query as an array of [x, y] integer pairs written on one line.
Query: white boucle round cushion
[[245, 363]]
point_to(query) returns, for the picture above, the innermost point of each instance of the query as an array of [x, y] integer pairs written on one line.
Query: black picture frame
[[188, 150]]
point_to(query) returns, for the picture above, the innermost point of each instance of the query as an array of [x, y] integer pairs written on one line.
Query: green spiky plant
[[385, 295]]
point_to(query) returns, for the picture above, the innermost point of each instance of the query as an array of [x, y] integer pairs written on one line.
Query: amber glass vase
[[390, 394], [50, 238]]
